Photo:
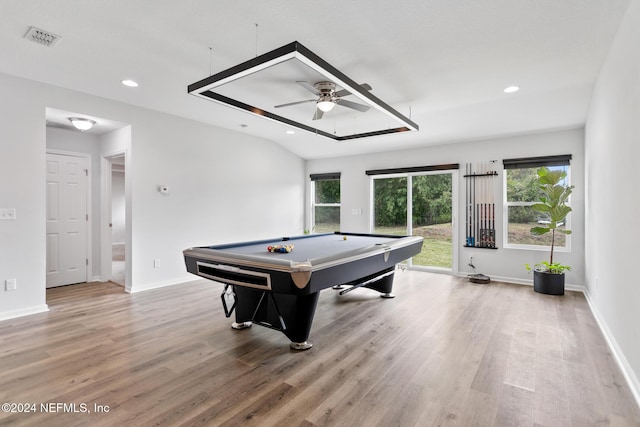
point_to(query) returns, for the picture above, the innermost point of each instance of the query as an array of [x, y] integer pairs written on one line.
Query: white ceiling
[[442, 63]]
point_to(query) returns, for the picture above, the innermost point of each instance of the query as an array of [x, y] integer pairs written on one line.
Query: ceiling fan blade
[[318, 114], [354, 105], [295, 103], [345, 92], [308, 86]]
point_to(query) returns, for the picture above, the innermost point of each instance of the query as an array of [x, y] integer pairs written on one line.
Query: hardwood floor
[[444, 352]]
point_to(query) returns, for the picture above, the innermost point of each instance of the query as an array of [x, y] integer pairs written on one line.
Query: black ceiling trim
[[203, 88], [415, 169], [246, 107], [536, 162]]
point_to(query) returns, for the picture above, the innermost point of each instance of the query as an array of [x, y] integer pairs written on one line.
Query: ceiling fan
[[327, 98]]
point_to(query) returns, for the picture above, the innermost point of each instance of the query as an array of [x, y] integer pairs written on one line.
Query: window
[[520, 192], [390, 205], [417, 201], [325, 196]]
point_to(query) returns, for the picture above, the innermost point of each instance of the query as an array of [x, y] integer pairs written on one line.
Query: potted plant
[[548, 276]]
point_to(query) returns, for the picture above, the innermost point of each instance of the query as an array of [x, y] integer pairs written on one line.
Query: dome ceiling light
[[82, 124]]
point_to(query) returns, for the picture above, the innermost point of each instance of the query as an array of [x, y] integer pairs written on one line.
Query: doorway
[[118, 223], [67, 239]]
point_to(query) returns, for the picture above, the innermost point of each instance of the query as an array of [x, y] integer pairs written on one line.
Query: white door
[[67, 219]]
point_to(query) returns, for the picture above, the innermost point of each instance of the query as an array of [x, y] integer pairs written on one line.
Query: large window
[[417, 201], [521, 192], [390, 205], [325, 196]]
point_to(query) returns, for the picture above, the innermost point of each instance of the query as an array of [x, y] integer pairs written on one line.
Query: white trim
[[529, 282], [89, 222], [162, 284], [455, 177], [505, 221], [618, 354], [623, 363], [5, 315], [106, 245], [314, 205]]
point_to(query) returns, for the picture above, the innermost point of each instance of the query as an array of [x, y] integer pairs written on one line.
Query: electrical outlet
[[10, 284], [156, 263]]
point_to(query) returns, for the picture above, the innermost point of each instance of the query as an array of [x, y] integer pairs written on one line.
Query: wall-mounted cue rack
[[480, 205]]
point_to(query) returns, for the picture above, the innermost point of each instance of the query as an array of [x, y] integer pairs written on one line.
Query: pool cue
[[468, 204], [494, 208], [482, 183], [482, 210], [473, 209], [486, 222], [470, 183]]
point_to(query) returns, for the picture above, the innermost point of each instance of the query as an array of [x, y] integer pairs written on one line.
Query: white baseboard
[[568, 286], [24, 312], [623, 363], [157, 285]]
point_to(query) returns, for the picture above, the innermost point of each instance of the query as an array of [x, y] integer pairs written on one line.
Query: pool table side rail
[[258, 261], [299, 271]]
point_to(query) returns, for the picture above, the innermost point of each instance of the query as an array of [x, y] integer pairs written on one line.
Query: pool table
[[280, 290]]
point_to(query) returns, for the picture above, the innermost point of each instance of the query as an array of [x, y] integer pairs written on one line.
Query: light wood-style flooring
[[443, 352]]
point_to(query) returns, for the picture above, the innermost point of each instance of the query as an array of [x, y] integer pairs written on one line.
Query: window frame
[[410, 174], [530, 163], [335, 176]]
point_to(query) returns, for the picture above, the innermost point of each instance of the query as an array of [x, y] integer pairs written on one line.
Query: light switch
[[7, 213]]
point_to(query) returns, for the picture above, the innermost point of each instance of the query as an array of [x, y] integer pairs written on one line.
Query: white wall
[[505, 264], [612, 202], [223, 188], [22, 166]]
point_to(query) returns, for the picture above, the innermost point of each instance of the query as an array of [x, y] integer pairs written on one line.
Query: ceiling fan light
[[81, 123], [325, 104]]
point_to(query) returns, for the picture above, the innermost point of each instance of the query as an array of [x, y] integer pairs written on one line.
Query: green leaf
[[540, 207], [539, 231]]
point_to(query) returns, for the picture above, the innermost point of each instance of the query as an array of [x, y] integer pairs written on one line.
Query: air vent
[[42, 37]]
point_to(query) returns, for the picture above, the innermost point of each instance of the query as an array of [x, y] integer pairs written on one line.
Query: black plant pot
[[548, 283]]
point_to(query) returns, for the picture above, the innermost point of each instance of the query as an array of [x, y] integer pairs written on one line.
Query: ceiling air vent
[[42, 37]]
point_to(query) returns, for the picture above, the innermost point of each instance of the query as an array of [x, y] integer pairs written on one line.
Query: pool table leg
[[384, 285], [241, 325], [298, 314], [288, 313], [304, 345]]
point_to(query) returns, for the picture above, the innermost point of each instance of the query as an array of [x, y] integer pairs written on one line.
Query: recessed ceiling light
[[130, 83], [290, 132], [511, 89]]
